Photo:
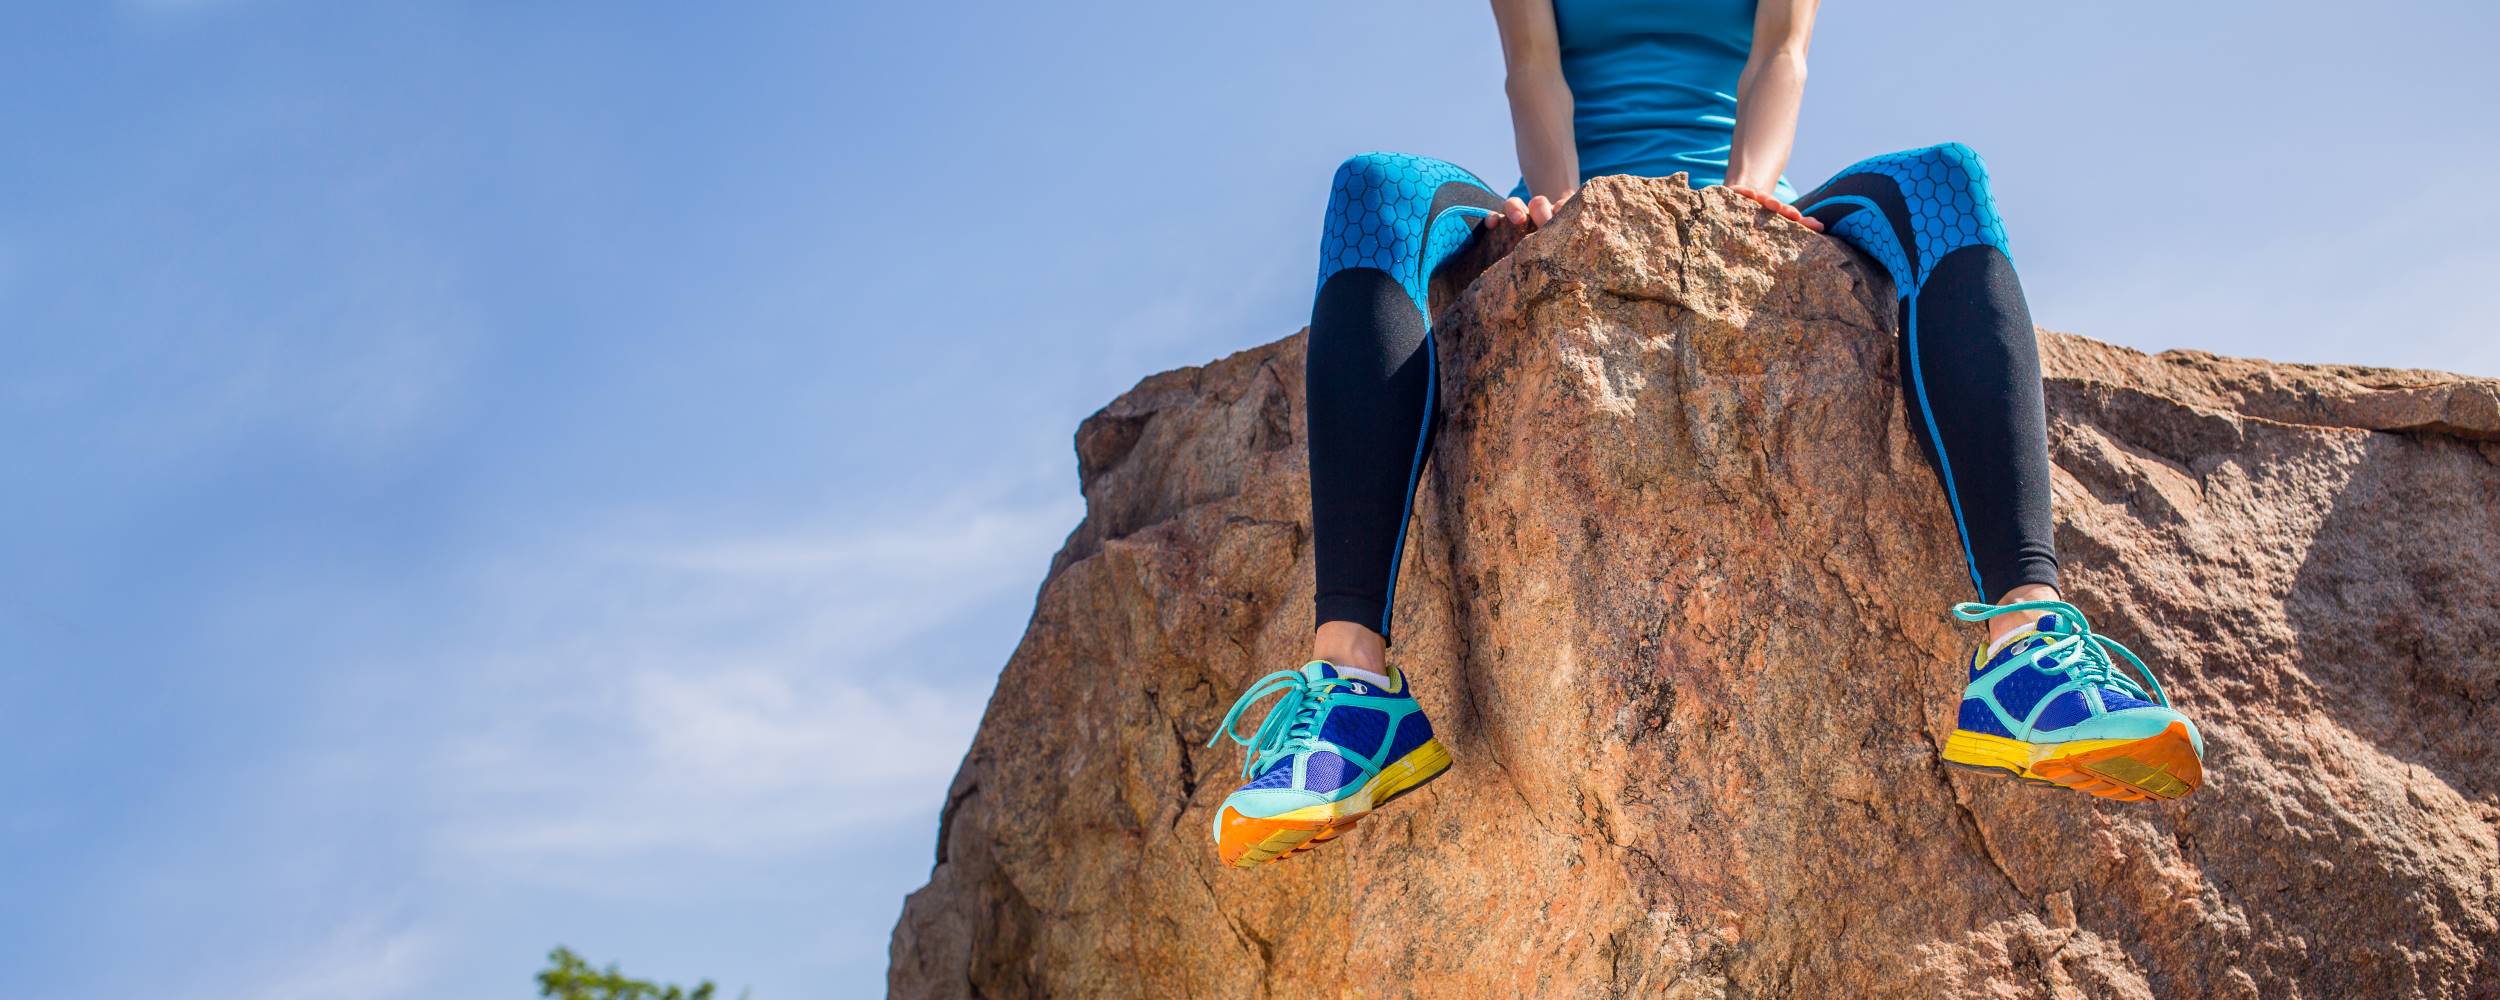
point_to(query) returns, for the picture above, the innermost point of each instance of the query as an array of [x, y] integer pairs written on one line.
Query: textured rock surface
[[1675, 598]]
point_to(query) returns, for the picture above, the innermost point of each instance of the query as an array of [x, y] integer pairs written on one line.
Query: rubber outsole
[[2162, 766], [1248, 841]]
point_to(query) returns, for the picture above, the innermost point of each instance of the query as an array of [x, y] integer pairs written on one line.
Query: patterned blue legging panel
[[1970, 364], [1970, 368], [1392, 220]]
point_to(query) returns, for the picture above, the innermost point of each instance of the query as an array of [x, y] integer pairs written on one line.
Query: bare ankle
[[1347, 644], [2004, 625]]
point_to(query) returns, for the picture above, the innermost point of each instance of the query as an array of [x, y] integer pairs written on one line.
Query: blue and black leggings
[[1970, 367]]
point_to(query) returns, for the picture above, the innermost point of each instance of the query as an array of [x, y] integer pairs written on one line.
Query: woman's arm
[[1540, 102], [1769, 93]]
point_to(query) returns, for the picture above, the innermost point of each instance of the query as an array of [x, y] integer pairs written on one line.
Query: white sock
[[1999, 646], [1360, 674]]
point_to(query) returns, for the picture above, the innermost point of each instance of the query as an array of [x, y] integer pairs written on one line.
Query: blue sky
[[490, 475]]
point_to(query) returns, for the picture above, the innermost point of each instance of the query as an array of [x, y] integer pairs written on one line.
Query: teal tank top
[[1653, 84]]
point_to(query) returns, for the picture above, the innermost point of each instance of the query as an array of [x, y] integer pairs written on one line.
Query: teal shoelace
[[2075, 648], [1288, 726]]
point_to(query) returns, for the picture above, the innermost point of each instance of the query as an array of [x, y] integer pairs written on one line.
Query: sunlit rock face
[[1675, 598]]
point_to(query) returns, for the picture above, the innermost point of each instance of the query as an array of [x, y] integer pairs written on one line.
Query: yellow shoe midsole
[[1417, 767], [1985, 750]]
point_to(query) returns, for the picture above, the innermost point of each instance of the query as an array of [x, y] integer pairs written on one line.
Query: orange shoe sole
[[1248, 841], [2158, 767], [2161, 766]]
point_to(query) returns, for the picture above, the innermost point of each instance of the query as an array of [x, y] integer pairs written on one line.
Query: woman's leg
[[2048, 699], [1347, 734], [1392, 219], [1970, 364]]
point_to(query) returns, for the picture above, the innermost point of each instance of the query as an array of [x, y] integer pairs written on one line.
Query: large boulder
[[1675, 598]]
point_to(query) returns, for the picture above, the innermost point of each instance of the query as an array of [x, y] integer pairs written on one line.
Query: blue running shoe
[[1334, 749], [2051, 706]]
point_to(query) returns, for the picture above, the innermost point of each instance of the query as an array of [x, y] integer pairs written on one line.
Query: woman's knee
[[1372, 182], [1949, 171], [1360, 210], [1370, 171], [1375, 203], [1950, 198], [1384, 181]]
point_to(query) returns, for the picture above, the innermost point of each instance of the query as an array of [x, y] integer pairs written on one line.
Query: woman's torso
[[1653, 83]]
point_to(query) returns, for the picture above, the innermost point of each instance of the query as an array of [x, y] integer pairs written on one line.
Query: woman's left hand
[[1782, 209], [1527, 215]]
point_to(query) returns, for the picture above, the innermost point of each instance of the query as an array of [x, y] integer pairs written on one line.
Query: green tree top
[[568, 977]]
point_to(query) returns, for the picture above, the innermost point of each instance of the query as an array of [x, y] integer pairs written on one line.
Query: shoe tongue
[[1316, 670]]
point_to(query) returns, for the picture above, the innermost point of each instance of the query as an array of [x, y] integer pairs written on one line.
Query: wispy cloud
[[648, 715], [729, 696], [747, 761]]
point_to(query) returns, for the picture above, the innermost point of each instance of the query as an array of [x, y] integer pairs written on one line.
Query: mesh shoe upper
[[1324, 738], [2056, 682]]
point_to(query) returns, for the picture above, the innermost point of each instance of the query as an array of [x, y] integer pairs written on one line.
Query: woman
[[1642, 87]]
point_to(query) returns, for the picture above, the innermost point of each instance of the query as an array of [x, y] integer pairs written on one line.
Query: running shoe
[[1337, 746], [2050, 705]]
